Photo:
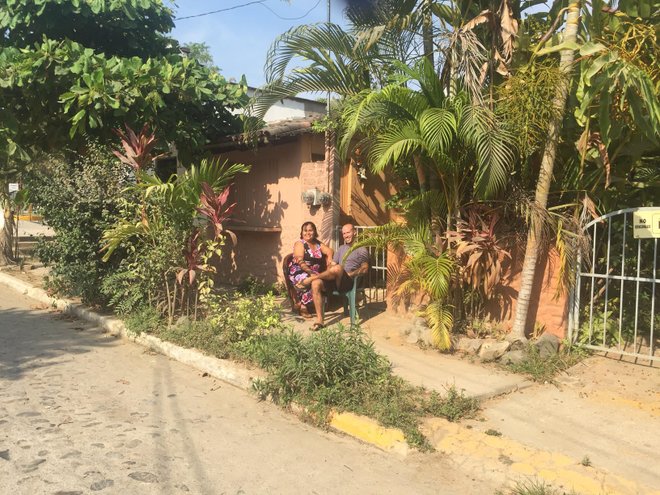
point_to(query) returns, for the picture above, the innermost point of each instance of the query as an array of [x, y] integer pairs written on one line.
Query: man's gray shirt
[[354, 260]]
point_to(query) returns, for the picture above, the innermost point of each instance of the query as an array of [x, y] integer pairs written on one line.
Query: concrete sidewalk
[[27, 229]]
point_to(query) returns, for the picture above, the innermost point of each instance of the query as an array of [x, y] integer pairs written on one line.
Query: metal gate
[[613, 303]]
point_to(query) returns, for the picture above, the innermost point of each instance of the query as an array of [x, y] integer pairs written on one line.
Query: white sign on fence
[[646, 224], [13, 187]]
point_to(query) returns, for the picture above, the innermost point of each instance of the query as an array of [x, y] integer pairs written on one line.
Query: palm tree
[[458, 149], [545, 174]]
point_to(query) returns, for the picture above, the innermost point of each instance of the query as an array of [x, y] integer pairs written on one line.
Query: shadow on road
[[31, 339]]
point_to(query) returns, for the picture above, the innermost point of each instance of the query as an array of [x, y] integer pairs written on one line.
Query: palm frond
[[437, 273], [438, 127], [493, 146], [395, 144], [441, 321]]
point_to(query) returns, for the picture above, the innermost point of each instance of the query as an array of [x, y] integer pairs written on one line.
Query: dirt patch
[[32, 273], [614, 380]]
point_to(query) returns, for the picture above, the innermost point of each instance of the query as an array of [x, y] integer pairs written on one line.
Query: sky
[[239, 39]]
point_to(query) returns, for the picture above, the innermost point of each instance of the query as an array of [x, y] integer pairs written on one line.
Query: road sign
[[646, 224]]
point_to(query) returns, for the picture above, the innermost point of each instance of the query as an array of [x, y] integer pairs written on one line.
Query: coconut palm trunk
[[545, 176]]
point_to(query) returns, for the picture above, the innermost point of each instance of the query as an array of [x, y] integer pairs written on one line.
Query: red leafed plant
[[193, 257], [215, 208], [137, 147], [479, 251]]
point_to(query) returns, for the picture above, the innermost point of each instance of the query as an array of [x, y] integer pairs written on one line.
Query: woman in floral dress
[[310, 256]]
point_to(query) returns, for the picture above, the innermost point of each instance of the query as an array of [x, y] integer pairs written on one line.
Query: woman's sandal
[[317, 326]]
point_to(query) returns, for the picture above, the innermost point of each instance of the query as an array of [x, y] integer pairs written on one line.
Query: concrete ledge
[[360, 427], [370, 431]]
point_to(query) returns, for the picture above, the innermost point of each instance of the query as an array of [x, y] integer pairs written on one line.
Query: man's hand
[[362, 269]]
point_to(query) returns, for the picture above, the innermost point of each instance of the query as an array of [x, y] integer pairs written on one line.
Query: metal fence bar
[[607, 280], [576, 308], [618, 277], [591, 304], [622, 353], [655, 267], [639, 258], [623, 270]]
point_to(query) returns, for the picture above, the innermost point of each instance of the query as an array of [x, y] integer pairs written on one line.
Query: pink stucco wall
[[270, 210], [548, 310]]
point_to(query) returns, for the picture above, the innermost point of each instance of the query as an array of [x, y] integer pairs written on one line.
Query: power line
[[220, 10], [256, 2], [292, 18]]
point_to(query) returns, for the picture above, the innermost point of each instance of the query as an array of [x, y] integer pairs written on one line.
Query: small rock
[[548, 345], [418, 332], [513, 357], [144, 477], [469, 346], [4, 454], [100, 485], [418, 321], [32, 466], [493, 350]]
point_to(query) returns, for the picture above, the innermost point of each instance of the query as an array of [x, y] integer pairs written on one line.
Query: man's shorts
[[345, 284]]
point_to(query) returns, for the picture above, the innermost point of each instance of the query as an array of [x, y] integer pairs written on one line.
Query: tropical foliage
[[475, 107], [169, 233], [74, 70]]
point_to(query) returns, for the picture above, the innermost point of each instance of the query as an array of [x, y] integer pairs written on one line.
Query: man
[[342, 271]]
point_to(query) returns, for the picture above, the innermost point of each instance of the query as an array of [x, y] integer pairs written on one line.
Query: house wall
[[269, 209], [363, 201], [548, 311]]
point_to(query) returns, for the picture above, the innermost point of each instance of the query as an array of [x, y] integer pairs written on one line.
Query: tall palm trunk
[[6, 235], [545, 176]]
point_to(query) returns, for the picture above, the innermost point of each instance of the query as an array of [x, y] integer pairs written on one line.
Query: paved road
[[81, 412]]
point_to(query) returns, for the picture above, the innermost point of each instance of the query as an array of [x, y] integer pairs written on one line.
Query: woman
[[310, 256]]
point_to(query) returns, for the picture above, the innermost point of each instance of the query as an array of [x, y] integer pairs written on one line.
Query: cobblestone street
[[81, 412]]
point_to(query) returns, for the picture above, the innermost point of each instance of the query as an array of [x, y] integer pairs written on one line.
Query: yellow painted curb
[[502, 454], [368, 430]]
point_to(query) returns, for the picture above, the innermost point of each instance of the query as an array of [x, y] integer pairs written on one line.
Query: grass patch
[[337, 368], [534, 487], [545, 369]]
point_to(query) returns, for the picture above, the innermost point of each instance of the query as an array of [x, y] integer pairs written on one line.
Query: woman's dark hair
[[316, 232]]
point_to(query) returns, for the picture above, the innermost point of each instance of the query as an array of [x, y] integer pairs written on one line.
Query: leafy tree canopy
[[97, 64], [115, 27]]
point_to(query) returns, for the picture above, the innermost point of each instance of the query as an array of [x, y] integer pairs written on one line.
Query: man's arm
[[361, 270]]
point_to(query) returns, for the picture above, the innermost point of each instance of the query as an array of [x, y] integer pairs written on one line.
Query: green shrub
[[144, 319], [245, 317], [78, 196], [338, 368], [252, 286], [200, 335], [233, 321], [544, 369]]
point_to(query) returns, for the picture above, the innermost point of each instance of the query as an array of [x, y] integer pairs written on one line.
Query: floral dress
[[315, 261]]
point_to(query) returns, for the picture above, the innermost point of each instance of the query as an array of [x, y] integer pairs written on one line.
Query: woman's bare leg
[[317, 297]]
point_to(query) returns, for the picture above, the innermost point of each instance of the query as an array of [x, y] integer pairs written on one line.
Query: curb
[[360, 427]]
